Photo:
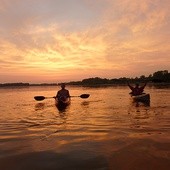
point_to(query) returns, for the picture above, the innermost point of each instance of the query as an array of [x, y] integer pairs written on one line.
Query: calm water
[[105, 131]]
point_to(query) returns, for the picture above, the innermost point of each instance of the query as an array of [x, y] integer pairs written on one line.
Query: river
[[105, 131]]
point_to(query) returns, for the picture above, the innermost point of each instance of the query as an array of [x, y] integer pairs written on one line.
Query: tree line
[[14, 84], [156, 77]]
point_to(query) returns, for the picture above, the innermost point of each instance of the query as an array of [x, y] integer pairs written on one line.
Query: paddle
[[83, 96], [39, 98]]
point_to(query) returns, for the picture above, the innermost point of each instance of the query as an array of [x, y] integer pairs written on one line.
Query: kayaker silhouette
[[63, 93], [62, 98], [137, 90]]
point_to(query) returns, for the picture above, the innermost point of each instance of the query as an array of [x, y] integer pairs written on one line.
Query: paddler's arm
[[68, 93], [129, 86], [144, 85], [142, 88], [57, 95]]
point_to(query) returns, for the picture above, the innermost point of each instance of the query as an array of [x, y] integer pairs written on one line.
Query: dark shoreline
[[158, 78]]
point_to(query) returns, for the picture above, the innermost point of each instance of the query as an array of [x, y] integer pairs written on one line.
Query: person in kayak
[[63, 93], [136, 90]]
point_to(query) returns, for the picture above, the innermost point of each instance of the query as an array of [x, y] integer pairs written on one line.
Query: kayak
[[62, 102], [145, 97]]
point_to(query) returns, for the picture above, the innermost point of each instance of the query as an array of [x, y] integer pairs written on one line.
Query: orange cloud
[[125, 36]]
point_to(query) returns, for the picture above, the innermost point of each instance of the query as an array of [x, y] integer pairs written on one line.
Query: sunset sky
[[69, 40]]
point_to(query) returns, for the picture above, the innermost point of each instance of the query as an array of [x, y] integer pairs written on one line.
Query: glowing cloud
[[76, 39]]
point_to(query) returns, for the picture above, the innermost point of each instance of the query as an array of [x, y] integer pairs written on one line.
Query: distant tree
[[142, 77], [14, 84], [149, 78], [161, 76], [94, 81]]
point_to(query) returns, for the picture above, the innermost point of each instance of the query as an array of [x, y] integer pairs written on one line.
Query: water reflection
[[85, 103], [63, 114], [39, 106], [99, 125], [136, 107], [140, 117], [138, 104], [62, 107]]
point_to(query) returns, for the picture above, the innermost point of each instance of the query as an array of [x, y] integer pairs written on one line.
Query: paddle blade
[[84, 96], [39, 98]]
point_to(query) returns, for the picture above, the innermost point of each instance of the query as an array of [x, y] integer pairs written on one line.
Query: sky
[[50, 41]]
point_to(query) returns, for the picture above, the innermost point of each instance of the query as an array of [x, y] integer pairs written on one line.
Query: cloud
[[87, 38]]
